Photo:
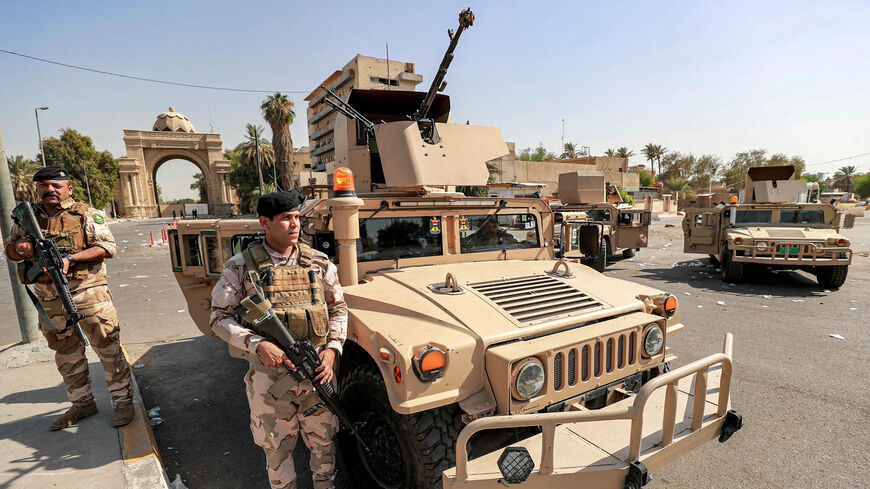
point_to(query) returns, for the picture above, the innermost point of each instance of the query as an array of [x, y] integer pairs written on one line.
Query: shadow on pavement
[[206, 434]]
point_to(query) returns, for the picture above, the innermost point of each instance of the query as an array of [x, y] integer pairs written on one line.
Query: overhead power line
[[151, 80], [838, 159]]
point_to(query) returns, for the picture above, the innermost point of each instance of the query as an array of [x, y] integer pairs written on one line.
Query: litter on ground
[[835, 335]]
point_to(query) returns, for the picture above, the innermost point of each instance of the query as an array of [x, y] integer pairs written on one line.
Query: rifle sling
[[41, 310]]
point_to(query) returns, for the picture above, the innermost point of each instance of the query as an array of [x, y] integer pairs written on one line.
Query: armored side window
[[504, 231], [190, 246], [388, 238], [212, 257], [598, 214], [175, 250], [753, 216], [241, 241]]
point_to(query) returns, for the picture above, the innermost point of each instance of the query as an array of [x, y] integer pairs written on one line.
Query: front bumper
[[792, 253], [601, 449]]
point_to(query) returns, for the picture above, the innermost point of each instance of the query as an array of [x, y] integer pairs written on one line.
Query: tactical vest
[[295, 291], [67, 230]]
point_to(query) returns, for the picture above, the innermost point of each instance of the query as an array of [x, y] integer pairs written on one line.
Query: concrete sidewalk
[[91, 454]]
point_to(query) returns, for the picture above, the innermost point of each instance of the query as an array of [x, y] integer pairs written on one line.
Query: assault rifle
[[257, 310], [47, 259]]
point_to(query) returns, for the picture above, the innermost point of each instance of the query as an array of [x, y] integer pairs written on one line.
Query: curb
[[143, 468]]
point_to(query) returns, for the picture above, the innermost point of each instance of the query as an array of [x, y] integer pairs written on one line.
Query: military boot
[[73, 415], [123, 413]]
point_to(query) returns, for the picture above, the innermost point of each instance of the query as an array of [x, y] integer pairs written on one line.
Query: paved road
[[802, 392]]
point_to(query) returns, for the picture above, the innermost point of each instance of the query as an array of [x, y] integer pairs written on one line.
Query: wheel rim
[[386, 464]]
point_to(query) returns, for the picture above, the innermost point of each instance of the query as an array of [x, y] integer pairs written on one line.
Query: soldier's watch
[[72, 261]]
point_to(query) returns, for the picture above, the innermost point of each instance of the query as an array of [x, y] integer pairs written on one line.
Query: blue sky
[[694, 76]]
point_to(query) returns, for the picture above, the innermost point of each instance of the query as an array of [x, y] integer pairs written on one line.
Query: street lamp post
[[39, 132]]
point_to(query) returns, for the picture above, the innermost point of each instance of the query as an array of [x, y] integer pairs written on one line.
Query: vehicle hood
[[498, 300]]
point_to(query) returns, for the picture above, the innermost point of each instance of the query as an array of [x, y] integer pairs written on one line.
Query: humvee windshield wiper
[[384, 205]]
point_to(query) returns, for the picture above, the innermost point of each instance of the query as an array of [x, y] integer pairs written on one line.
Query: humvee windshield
[[753, 216], [802, 216], [598, 214], [388, 238], [505, 231]]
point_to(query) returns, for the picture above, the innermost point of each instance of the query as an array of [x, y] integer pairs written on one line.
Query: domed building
[[173, 121]]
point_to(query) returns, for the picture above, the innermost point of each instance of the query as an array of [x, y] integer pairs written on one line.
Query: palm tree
[[624, 152], [248, 151], [843, 178], [653, 153], [21, 170], [610, 152], [278, 112], [570, 151], [678, 186]]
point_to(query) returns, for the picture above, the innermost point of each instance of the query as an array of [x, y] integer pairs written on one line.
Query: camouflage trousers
[[277, 405], [100, 325]]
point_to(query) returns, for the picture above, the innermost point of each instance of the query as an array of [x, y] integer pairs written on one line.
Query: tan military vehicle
[[461, 321], [593, 223], [774, 226]]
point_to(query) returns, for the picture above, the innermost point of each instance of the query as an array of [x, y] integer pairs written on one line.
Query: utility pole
[[563, 134], [257, 150], [27, 320], [88, 185], [39, 133]]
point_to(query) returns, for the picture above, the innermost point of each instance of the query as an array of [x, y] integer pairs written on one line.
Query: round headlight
[[529, 379], [653, 341], [761, 245]]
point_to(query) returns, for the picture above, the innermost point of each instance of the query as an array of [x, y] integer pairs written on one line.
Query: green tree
[[624, 152], [735, 170], [569, 151], [704, 171], [248, 152], [199, 185], [538, 154], [681, 185], [610, 152], [278, 112], [75, 152], [654, 153], [780, 159], [159, 192], [810, 178], [21, 170], [646, 179], [862, 186], [843, 178]]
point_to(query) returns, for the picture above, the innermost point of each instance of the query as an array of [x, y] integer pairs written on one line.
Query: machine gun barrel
[[258, 311], [346, 109], [466, 20]]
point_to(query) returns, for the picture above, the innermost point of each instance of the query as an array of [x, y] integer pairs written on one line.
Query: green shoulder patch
[[99, 219]]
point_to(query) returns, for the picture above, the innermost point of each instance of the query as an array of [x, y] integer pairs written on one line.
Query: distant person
[[182, 213], [194, 213], [83, 237], [173, 214]]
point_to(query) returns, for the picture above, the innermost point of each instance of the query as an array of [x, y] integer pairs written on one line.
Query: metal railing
[[549, 421]]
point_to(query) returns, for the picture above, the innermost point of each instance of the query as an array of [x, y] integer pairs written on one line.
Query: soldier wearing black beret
[[300, 283], [83, 237]]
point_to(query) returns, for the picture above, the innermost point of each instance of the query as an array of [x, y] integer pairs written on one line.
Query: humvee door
[[701, 230], [632, 228]]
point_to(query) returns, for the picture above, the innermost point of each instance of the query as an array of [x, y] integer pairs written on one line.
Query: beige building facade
[[172, 137], [509, 169], [363, 72]]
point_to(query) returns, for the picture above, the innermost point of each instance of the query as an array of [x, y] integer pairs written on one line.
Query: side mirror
[[849, 221]]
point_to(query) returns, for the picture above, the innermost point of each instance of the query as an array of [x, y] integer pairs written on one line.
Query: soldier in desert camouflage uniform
[[81, 233], [313, 307]]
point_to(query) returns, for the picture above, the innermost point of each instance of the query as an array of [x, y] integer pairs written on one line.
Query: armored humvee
[[462, 321], [775, 225], [591, 224]]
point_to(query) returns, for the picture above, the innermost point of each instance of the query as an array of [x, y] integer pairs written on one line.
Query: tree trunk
[[282, 144]]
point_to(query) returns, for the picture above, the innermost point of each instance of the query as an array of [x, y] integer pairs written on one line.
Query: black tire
[[714, 260], [408, 451], [599, 260], [832, 277], [628, 253], [732, 271]]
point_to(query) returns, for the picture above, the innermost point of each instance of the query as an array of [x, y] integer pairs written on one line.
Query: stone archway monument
[[172, 137]]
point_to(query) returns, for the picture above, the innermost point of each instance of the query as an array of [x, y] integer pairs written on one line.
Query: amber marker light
[[342, 183], [733, 199], [670, 305], [431, 363], [397, 375], [738, 240]]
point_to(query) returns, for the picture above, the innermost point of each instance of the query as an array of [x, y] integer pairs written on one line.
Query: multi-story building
[[360, 72]]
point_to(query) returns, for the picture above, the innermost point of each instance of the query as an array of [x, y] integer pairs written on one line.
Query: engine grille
[[536, 298], [606, 356]]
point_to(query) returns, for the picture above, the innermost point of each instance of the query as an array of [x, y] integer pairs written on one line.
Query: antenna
[[563, 134], [388, 67], [210, 124]]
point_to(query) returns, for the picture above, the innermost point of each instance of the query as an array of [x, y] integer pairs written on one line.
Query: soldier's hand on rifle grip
[[24, 248], [324, 370], [272, 356]]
